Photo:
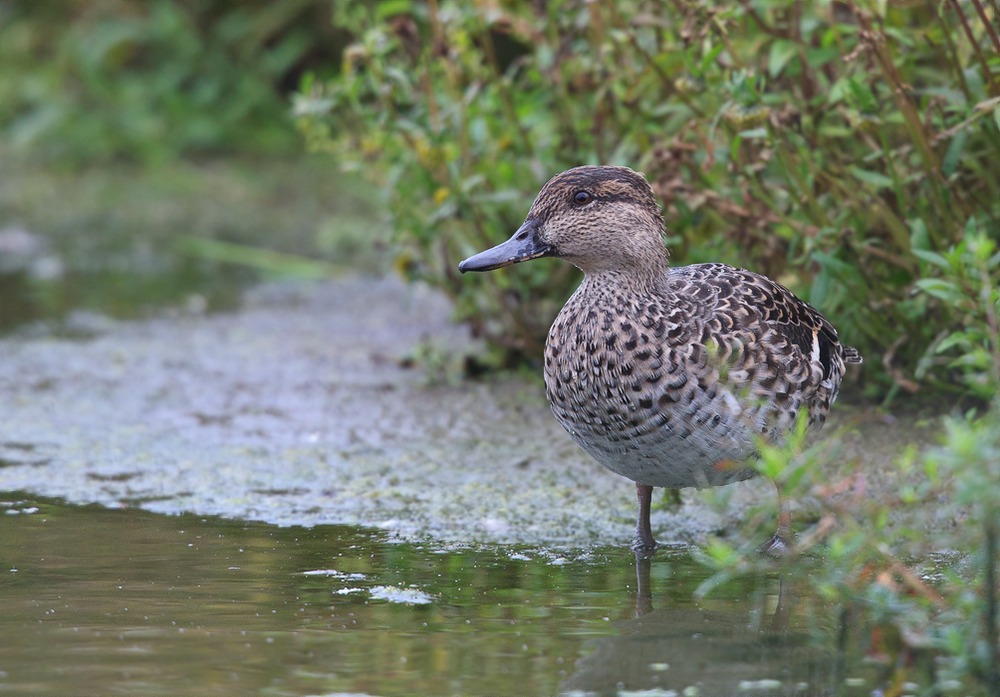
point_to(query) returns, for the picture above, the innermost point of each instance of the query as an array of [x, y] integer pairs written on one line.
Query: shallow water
[[101, 601]]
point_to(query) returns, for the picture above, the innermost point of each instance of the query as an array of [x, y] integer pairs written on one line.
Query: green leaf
[[817, 57], [874, 178], [919, 239], [931, 258], [939, 288], [957, 339], [839, 91], [389, 8], [971, 226], [863, 97], [836, 266], [954, 153], [753, 133], [781, 52]]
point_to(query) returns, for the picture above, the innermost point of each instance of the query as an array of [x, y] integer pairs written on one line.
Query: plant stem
[[956, 60], [426, 85], [986, 297], [946, 201], [983, 64], [803, 188], [990, 29]]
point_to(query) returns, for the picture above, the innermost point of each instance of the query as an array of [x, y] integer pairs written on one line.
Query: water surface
[[101, 601]]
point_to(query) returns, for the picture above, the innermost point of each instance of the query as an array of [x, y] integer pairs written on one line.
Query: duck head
[[597, 218]]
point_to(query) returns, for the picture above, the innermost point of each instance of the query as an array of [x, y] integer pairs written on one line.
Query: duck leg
[[643, 545], [780, 544]]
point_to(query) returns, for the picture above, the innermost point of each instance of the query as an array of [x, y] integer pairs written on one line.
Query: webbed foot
[[777, 547]]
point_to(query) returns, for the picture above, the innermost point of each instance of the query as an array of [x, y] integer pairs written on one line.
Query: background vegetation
[[85, 82], [149, 158], [845, 148]]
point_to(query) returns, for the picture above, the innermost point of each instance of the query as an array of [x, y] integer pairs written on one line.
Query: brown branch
[[990, 29], [897, 375], [987, 73]]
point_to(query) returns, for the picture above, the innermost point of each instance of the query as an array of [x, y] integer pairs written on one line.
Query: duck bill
[[524, 245]]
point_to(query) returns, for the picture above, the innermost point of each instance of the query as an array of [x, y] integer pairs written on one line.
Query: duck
[[668, 375]]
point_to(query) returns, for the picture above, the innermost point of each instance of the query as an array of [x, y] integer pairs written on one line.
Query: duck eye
[[582, 198]]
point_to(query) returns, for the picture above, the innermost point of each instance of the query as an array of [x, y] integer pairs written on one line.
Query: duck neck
[[643, 279]]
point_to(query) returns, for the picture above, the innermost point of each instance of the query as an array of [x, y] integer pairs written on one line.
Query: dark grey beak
[[524, 245]]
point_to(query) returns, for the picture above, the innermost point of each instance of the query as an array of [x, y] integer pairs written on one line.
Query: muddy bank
[[298, 410]]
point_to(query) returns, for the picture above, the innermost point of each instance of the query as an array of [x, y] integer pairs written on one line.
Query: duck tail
[[851, 355]]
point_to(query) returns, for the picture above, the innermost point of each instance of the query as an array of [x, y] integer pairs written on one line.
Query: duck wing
[[743, 301]]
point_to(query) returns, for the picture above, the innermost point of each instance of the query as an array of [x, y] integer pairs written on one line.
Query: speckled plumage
[[666, 375]]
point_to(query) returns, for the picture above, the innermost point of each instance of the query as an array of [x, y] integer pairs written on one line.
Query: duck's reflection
[[751, 650]]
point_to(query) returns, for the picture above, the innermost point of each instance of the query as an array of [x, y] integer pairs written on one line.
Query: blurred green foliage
[[915, 595], [149, 156], [84, 81], [964, 278], [831, 145]]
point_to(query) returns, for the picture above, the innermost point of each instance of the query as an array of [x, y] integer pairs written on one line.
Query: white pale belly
[[673, 456]]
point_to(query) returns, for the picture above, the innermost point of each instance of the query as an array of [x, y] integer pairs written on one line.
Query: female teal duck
[[666, 375]]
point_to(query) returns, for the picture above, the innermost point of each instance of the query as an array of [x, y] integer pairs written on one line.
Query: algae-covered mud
[[299, 409]]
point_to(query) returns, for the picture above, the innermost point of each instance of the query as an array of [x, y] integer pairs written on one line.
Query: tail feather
[[851, 355]]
